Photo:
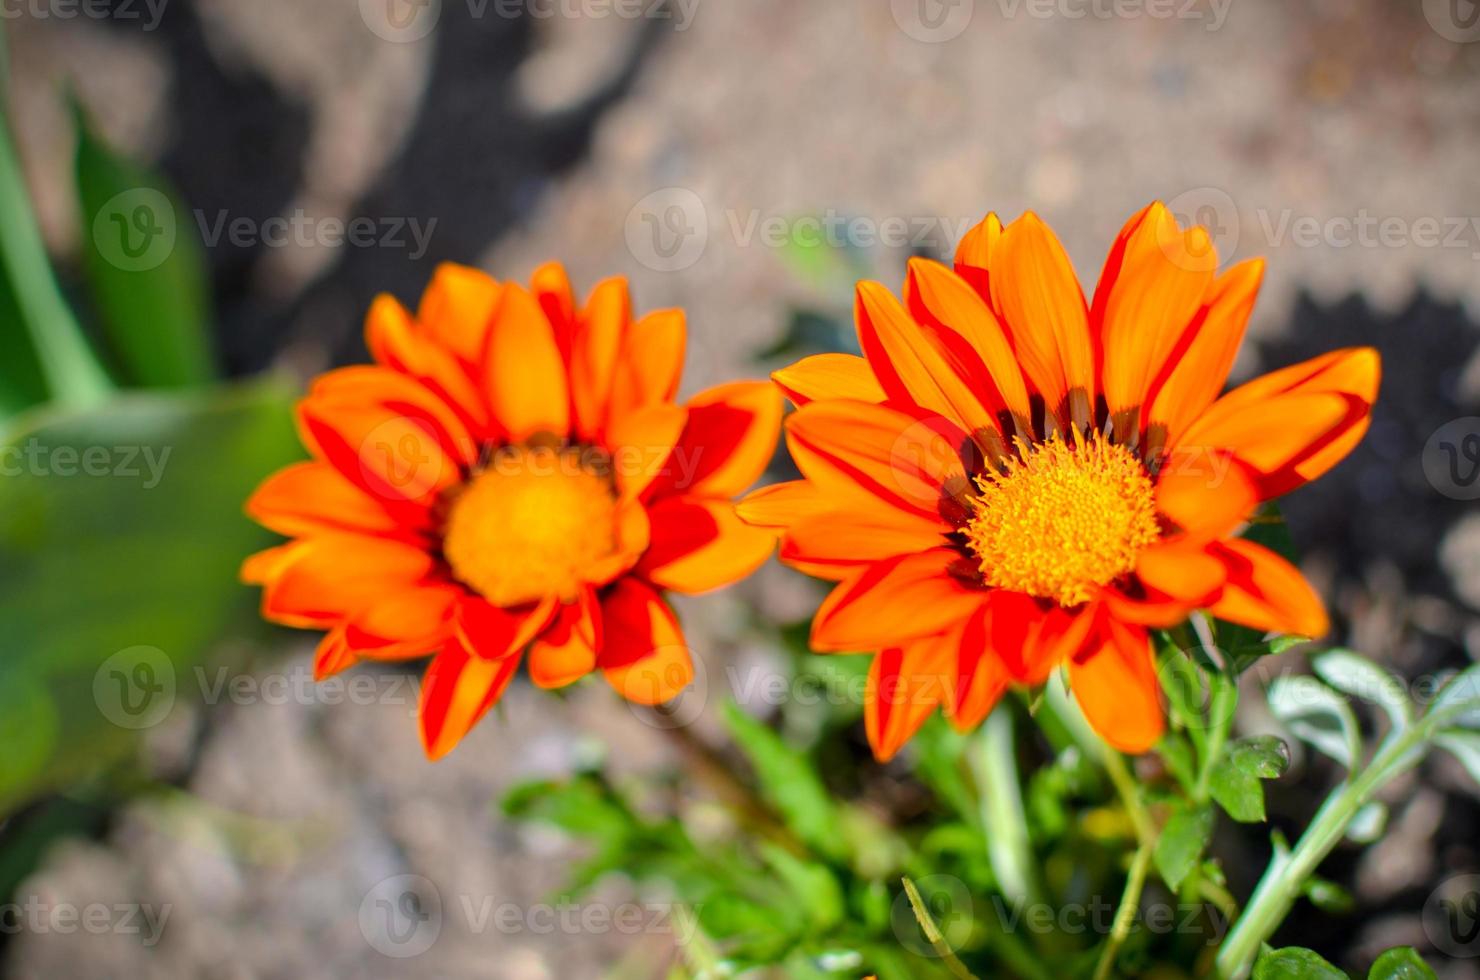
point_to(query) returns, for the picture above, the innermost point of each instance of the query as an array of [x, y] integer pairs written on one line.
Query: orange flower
[[513, 473], [1010, 479]]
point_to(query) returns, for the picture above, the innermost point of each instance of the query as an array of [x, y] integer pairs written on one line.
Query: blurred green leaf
[[1294, 963], [1236, 776], [1318, 716], [1400, 963], [1368, 823], [1182, 842], [121, 534], [145, 269], [43, 352], [814, 886], [1328, 896], [1364, 680], [1464, 746], [788, 782]]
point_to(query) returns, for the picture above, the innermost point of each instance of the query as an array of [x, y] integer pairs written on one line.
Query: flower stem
[[1003, 821], [1125, 915]]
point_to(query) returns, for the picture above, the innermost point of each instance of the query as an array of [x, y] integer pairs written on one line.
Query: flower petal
[[524, 373], [599, 334], [456, 693], [650, 364], [699, 545], [1207, 494], [309, 497], [1034, 287], [1265, 592], [861, 536], [905, 685], [973, 255], [641, 443], [643, 655], [396, 342], [493, 632], [1183, 570], [893, 602], [566, 651], [781, 504], [824, 376], [457, 310], [727, 443], [333, 576], [1116, 687]]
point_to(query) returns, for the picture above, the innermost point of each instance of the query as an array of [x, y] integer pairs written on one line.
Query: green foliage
[[145, 269], [1294, 963], [787, 782], [1400, 963], [1237, 777], [1183, 839]]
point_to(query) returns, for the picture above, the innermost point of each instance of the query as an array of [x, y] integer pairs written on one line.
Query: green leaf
[[1261, 756], [1464, 746], [1328, 896], [121, 534], [145, 269], [1294, 963], [43, 352], [1368, 823], [1182, 842], [1364, 680], [1235, 782], [1317, 715], [814, 885], [1459, 701], [1400, 963], [787, 781]]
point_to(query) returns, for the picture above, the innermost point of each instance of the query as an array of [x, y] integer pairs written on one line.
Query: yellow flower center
[[530, 523], [1063, 520]]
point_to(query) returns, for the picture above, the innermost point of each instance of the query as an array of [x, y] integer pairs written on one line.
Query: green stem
[[1285, 878], [70, 370], [1220, 721], [1130, 796], [933, 933], [1003, 820], [1125, 915]]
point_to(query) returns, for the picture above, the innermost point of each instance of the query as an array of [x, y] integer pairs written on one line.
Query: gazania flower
[[513, 474], [1011, 480]]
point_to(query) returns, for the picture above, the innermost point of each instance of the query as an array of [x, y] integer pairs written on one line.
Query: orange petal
[[1116, 687], [599, 334], [1030, 641], [491, 632], [969, 335], [333, 655], [781, 504], [1296, 423], [1034, 287], [973, 254], [1183, 570], [1207, 494], [396, 342], [829, 376], [644, 655], [566, 651], [1196, 374], [309, 497], [698, 545], [861, 536], [904, 687], [728, 442], [1265, 592], [982, 676], [457, 309], [332, 576], [854, 449], [265, 566], [406, 623], [641, 443], [910, 367], [456, 693], [525, 374], [650, 363], [633, 534], [1152, 287], [893, 602], [551, 288]]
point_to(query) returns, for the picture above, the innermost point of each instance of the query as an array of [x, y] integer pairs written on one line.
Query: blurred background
[[282, 162]]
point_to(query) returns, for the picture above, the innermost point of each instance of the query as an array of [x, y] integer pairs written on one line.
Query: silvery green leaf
[[1459, 701], [1368, 823], [1366, 681], [1317, 715], [1464, 746]]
